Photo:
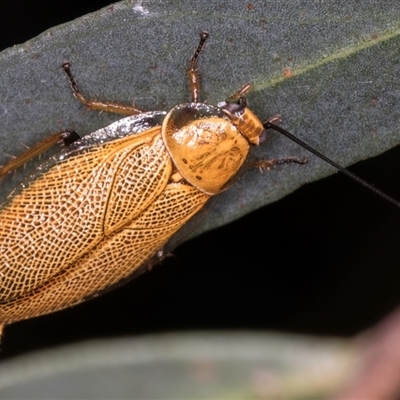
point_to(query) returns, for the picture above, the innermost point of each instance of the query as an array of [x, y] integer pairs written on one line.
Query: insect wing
[[113, 259], [60, 215]]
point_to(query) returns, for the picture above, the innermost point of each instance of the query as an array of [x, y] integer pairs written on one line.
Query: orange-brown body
[[104, 208], [101, 211]]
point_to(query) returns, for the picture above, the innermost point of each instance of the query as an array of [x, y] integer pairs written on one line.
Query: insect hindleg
[[98, 105], [67, 137]]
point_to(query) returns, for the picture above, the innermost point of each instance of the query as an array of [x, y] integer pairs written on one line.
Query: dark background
[[321, 261]]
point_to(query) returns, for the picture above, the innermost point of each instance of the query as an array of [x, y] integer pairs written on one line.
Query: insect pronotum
[[104, 208]]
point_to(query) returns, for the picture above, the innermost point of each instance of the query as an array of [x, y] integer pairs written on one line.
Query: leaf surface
[[331, 69]]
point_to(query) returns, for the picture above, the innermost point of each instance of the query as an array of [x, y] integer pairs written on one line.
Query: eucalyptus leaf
[[330, 68], [198, 365]]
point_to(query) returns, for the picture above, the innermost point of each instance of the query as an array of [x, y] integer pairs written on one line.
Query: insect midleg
[[98, 105], [193, 71], [67, 137]]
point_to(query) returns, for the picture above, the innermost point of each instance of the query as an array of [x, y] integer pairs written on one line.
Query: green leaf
[[230, 365], [342, 96]]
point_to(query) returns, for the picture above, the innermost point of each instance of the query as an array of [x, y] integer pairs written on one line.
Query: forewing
[[60, 216], [115, 258]]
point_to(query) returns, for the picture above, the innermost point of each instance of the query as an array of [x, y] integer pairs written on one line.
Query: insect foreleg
[[267, 164]]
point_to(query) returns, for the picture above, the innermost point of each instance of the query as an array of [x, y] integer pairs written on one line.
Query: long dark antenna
[[269, 125]]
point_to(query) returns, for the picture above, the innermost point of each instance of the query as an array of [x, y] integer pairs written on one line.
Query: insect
[[103, 210], [106, 206]]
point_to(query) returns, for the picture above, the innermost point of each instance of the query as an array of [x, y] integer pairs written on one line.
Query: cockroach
[[104, 208]]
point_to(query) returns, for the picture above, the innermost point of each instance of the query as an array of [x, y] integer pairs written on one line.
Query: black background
[[323, 260]]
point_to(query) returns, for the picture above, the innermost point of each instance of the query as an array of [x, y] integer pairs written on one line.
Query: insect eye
[[236, 108]]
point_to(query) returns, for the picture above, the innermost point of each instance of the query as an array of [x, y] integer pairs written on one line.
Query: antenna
[[269, 125]]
